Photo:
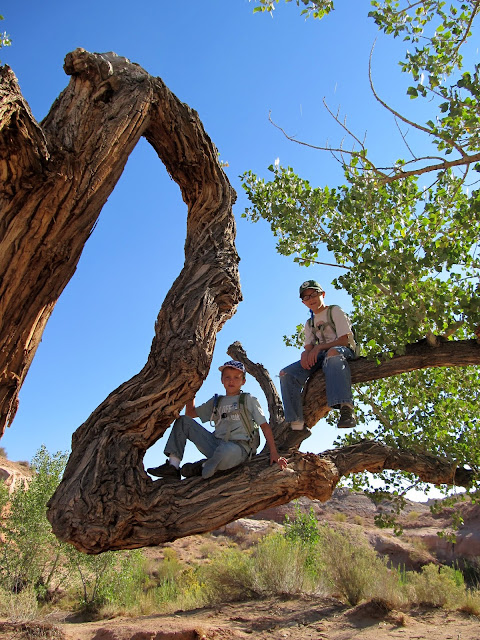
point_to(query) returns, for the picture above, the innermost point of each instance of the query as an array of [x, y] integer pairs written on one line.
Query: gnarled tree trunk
[[56, 178]]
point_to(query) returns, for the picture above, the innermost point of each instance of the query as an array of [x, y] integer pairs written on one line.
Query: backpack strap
[[214, 414], [330, 317], [248, 423], [244, 416], [330, 322]]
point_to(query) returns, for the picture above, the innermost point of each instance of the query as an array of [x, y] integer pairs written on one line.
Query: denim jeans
[[220, 454], [337, 381]]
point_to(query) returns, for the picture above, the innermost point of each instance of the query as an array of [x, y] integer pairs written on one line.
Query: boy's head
[[310, 284], [233, 377], [312, 295]]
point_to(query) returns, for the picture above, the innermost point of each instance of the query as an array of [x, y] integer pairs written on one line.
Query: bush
[[351, 567], [19, 607], [30, 553], [284, 566], [228, 577], [437, 586], [303, 528]]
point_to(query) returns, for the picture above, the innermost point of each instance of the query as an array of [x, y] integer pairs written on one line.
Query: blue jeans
[[220, 454], [337, 379]]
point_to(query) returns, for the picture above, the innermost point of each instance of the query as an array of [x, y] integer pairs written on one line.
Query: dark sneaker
[[166, 470], [192, 469], [347, 419]]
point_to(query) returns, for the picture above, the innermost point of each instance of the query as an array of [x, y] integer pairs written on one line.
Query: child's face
[[232, 380], [313, 299]]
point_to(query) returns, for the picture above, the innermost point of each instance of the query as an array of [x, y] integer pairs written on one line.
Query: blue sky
[[232, 67]]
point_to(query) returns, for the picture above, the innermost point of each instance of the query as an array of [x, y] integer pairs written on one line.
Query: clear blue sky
[[233, 67]]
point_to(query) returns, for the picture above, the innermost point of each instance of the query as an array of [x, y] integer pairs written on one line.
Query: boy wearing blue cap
[[236, 417], [329, 344]]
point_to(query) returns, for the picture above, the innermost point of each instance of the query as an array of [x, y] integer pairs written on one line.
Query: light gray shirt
[[227, 420]]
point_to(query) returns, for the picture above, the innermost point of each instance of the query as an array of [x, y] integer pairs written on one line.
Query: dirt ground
[[294, 619]]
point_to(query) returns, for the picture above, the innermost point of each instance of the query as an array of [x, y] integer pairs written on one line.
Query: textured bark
[[56, 178]]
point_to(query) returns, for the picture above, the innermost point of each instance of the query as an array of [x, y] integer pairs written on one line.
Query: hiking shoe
[[192, 469], [347, 419], [166, 470]]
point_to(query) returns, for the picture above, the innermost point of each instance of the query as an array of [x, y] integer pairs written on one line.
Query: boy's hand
[[312, 356], [282, 462], [304, 359]]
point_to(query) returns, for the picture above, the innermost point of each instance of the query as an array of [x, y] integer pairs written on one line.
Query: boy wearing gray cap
[[329, 344], [236, 417]]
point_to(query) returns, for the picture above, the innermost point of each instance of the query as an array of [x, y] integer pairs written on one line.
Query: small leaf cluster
[[311, 8], [4, 38]]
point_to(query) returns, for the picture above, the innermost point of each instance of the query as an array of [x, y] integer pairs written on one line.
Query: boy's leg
[[339, 384], [226, 456], [292, 381], [185, 428]]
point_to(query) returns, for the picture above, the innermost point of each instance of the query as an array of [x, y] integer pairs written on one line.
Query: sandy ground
[[295, 619]]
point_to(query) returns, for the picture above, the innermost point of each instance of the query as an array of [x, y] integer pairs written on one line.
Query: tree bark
[[57, 176]]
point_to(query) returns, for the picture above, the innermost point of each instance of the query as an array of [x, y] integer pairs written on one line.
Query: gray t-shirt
[[324, 332], [228, 423]]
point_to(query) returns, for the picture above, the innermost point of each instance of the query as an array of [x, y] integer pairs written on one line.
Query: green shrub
[[303, 528], [228, 576], [351, 567], [437, 586], [29, 552], [282, 566]]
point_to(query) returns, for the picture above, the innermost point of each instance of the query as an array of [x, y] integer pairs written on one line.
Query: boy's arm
[[190, 410], [267, 432]]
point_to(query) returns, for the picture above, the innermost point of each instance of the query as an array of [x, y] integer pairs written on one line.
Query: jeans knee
[[282, 373]]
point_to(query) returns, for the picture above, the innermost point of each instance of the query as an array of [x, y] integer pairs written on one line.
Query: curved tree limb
[[53, 193], [165, 511]]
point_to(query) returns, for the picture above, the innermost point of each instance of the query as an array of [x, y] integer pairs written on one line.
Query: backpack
[[331, 323], [250, 425]]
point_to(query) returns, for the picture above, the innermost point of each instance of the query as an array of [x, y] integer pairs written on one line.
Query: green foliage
[[34, 561], [4, 38], [313, 8], [106, 579], [285, 566], [29, 551], [437, 586], [352, 568], [406, 239], [303, 527], [413, 269]]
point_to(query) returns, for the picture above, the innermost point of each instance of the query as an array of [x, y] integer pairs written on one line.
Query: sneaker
[[192, 469], [166, 470], [347, 419]]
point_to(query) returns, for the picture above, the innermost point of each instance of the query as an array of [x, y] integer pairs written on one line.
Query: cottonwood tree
[[57, 176], [403, 231]]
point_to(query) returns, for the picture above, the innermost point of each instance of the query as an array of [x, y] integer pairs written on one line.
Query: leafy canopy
[[404, 234], [408, 235]]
